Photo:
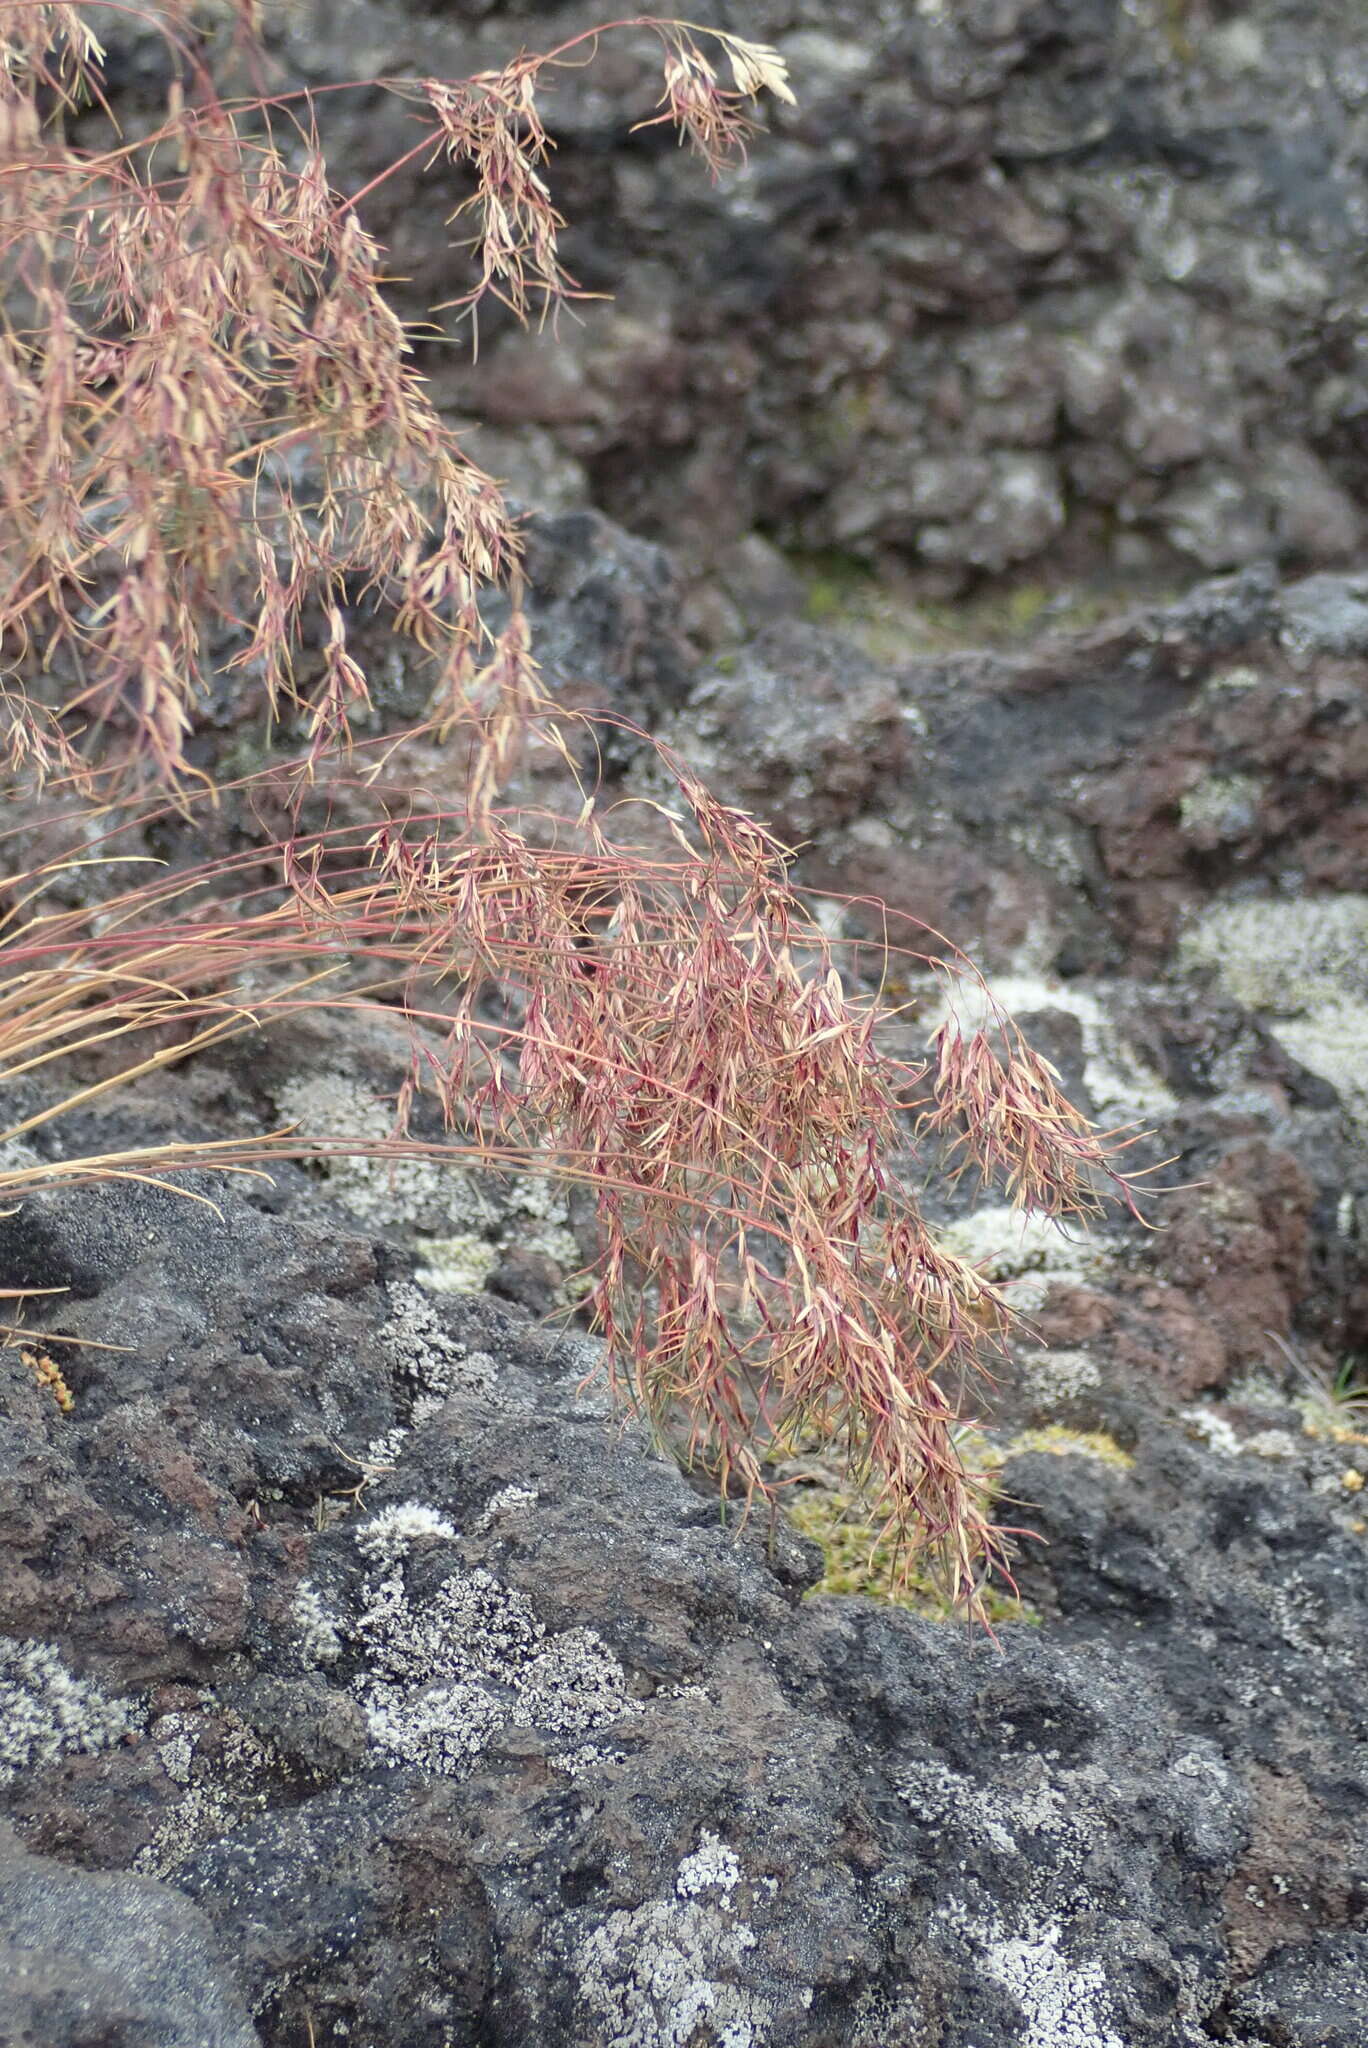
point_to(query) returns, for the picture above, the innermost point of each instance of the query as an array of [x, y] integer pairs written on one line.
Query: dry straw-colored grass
[[218, 437]]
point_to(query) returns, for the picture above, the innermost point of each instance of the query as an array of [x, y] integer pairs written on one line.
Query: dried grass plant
[[213, 428], [218, 434]]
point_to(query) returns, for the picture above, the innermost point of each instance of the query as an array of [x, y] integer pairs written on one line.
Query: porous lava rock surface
[[361, 1678], [1078, 798], [526, 1746]]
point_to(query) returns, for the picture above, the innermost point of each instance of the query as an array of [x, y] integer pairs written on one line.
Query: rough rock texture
[[427, 1706], [1153, 835], [415, 1703], [1076, 800], [96, 1958], [1058, 283]]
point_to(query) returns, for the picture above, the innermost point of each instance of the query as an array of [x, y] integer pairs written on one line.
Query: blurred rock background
[[1058, 290]]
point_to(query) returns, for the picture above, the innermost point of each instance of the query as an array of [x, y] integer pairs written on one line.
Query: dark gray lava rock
[[511, 1740], [1310, 1995], [92, 1960], [1091, 793]]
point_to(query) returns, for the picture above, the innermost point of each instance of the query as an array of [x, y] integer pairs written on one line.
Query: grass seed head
[[216, 436]]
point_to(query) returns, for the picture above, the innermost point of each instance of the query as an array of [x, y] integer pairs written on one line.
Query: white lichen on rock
[[383, 1452], [17, 1157], [429, 1364], [1284, 954], [585, 1756], [712, 1867], [1275, 1444], [533, 1214], [1334, 1044], [1221, 807], [440, 1729], [390, 1533], [941, 1797], [1053, 1377], [234, 1780], [316, 1625], [1028, 1251], [470, 1624], [421, 1352], [439, 1674], [46, 1712], [573, 1684], [1063, 2004], [544, 1202], [462, 1220], [420, 1193], [672, 1973], [1304, 963], [1215, 1431], [510, 1502]]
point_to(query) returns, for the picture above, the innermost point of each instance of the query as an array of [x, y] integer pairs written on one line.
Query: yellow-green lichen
[[1059, 1442], [1221, 807], [456, 1265], [860, 1559], [836, 586]]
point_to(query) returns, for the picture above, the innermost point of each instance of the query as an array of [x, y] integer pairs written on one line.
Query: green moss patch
[[1058, 1442], [859, 1559]]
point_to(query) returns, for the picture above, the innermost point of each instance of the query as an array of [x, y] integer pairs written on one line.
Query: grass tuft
[[219, 454]]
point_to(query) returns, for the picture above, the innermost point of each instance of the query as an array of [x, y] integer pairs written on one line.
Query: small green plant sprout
[[1333, 1400]]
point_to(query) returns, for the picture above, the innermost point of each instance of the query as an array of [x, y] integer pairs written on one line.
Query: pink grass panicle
[[218, 451]]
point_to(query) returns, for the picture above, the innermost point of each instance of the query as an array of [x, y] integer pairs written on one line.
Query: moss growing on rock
[[858, 1560], [1059, 1442]]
